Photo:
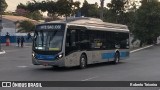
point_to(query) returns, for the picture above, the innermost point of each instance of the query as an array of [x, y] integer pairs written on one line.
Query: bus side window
[[67, 39], [117, 40], [84, 40], [124, 40], [73, 38], [71, 42]]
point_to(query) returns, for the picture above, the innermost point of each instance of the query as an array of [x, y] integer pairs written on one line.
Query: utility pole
[[102, 5], [0, 23]]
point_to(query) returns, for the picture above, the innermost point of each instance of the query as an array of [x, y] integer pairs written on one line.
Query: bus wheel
[[116, 58], [83, 62]]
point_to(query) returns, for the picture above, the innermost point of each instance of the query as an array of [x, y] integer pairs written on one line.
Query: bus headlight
[[33, 55], [60, 56]]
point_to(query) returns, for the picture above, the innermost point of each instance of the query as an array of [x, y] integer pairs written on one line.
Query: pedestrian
[[7, 39], [22, 41], [28, 36], [7, 35], [18, 41]]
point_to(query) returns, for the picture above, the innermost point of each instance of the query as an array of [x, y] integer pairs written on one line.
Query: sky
[[12, 4]]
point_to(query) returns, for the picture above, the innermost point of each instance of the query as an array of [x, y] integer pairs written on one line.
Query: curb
[[140, 49], [3, 52]]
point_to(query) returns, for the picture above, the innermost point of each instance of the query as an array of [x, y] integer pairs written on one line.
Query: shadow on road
[[67, 69]]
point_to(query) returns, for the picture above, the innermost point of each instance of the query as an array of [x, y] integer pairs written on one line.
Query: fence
[[13, 37]]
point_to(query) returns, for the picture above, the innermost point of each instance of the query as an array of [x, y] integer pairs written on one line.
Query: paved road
[[144, 65]]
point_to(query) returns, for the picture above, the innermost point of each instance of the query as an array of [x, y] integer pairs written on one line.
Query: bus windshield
[[48, 40]]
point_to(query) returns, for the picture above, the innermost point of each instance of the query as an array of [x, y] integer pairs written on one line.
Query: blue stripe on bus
[[44, 57], [107, 55], [124, 54], [111, 55]]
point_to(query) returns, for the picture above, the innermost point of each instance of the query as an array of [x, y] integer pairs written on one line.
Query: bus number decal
[[50, 27]]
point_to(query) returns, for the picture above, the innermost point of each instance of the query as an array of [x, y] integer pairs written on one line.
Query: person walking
[[18, 41], [7, 35], [7, 39], [22, 41], [28, 36]]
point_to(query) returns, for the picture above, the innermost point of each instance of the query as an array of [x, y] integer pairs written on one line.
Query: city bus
[[79, 42]]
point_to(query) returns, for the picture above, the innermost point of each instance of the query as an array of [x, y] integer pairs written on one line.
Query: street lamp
[[102, 4]]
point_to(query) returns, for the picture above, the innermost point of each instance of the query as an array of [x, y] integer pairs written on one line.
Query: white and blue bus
[[79, 42]]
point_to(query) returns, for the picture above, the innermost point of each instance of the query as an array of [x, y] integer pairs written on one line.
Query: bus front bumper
[[58, 62]]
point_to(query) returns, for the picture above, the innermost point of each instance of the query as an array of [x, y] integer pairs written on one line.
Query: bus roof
[[92, 23]]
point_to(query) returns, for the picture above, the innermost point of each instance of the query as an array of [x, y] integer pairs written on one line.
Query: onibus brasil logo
[[20, 84]]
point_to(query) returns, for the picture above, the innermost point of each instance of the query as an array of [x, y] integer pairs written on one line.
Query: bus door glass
[[71, 41]]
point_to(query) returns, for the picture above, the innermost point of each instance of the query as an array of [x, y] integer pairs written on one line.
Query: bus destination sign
[[50, 27]]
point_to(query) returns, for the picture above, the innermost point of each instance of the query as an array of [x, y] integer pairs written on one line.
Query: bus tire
[[116, 58], [83, 61]]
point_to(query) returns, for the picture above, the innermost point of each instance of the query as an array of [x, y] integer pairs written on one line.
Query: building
[[9, 25]]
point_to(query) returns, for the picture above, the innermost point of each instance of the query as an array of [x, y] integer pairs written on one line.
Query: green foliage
[[3, 5], [36, 15], [90, 10], [94, 10], [21, 6], [26, 26], [8, 13], [22, 10], [121, 12], [64, 7], [85, 8], [147, 22], [143, 22], [117, 11], [59, 7]]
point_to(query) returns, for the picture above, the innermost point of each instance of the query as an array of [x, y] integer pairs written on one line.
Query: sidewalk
[[140, 48], [13, 46]]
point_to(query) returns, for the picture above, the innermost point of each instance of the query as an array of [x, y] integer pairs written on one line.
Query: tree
[[90, 10], [147, 22], [54, 8], [26, 26], [21, 6], [36, 15], [3, 5], [24, 10], [94, 10], [75, 7], [117, 10], [122, 12], [85, 8], [21, 12], [65, 7]]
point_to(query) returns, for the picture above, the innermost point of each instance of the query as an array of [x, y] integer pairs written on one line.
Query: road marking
[[130, 52], [22, 66], [140, 49], [90, 78], [3, 52]]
